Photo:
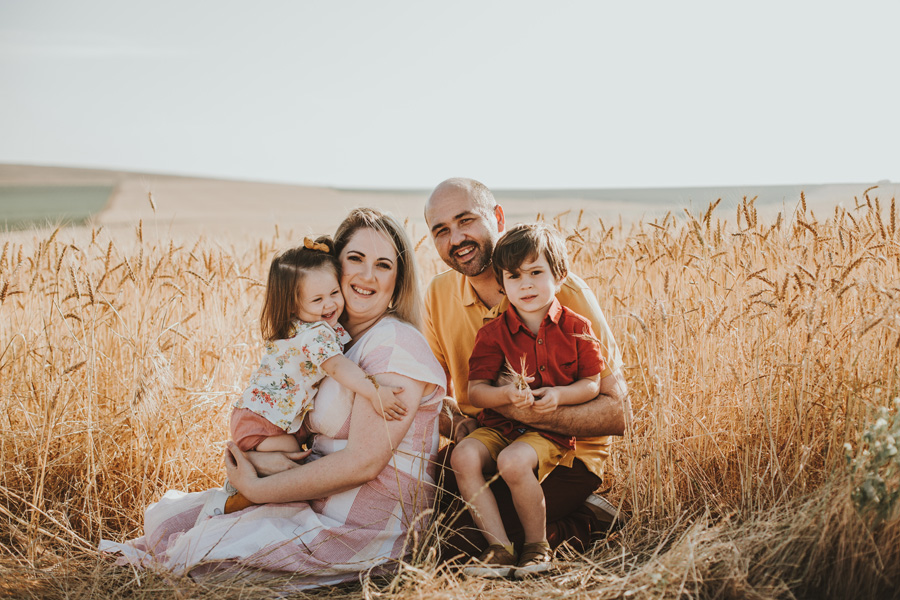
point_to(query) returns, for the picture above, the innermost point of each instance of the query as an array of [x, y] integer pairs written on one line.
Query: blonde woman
[[368, 480]]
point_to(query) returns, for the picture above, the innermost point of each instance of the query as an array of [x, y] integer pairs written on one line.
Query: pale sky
[[405, 94]]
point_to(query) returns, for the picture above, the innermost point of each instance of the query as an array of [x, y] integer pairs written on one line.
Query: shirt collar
[[497, 310], [555, 311], [514, 322], [469, 297]]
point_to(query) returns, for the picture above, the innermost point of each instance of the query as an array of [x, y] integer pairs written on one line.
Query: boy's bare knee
[[466, 457], [514, 464]]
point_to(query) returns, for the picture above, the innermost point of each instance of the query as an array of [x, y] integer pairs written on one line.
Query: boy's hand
[[387, 404], [547, 399], [519, 398]]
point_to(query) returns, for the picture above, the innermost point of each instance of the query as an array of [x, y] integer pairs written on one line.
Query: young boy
[[562, 363]]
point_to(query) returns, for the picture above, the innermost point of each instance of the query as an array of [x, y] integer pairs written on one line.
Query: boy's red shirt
[[557, 355]]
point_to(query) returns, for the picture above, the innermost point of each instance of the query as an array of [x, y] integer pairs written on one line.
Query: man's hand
[[452, 423], [463, 426], [546, 399]]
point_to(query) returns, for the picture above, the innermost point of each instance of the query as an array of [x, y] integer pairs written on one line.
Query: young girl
[[304, 343]]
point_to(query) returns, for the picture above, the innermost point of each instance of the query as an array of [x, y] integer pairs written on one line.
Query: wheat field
[[762, 358]]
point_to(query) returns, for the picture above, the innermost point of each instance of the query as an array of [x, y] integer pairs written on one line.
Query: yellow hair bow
[[312, 245]]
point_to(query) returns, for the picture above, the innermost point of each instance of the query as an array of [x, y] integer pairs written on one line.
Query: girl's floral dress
[[283, 387]]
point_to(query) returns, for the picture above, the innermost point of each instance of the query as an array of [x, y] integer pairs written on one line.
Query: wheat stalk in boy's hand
[[523, 397], [519, 378]]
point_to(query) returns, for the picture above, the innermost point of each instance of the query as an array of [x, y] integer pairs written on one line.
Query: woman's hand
[[244, 469], [241, 472]]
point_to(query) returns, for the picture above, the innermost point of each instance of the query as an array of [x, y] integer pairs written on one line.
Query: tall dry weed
[[754, 352]]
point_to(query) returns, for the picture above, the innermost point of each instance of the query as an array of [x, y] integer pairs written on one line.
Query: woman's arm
[[369, 449], [351, 376], [269, 463]]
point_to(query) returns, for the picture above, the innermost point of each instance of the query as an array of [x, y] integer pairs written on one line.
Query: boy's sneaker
[[535, 558], [496, 561], [607, 515]]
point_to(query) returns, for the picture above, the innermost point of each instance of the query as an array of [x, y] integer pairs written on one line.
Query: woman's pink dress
[[323, 541]]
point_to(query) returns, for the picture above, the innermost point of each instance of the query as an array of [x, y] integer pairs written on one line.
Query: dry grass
[[755, 351]]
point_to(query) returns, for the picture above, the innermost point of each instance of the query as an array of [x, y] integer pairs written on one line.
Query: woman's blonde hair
[[406, 303]]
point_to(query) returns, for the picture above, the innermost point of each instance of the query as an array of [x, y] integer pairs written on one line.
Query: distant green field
[[22, 207]]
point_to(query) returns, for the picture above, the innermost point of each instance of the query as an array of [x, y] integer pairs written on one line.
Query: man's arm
[[607, 414], [548, 399]]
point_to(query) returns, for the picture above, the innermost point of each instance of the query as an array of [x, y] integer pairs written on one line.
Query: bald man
[[465, 222]]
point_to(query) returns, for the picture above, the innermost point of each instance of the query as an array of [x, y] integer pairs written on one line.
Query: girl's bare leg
[[279, 443]]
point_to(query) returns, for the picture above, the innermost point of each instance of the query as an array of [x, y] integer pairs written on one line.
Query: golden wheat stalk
[[519, 378]]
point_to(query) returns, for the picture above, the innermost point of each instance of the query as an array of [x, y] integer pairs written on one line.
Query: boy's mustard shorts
[[549, 453]]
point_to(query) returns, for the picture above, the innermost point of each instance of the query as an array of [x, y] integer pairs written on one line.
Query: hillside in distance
[[179, 205]]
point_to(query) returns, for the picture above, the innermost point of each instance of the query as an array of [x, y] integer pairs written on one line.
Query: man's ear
[[501, 218]]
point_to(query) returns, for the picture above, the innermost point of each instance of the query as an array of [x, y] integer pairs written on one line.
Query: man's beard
[[476, 264]]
